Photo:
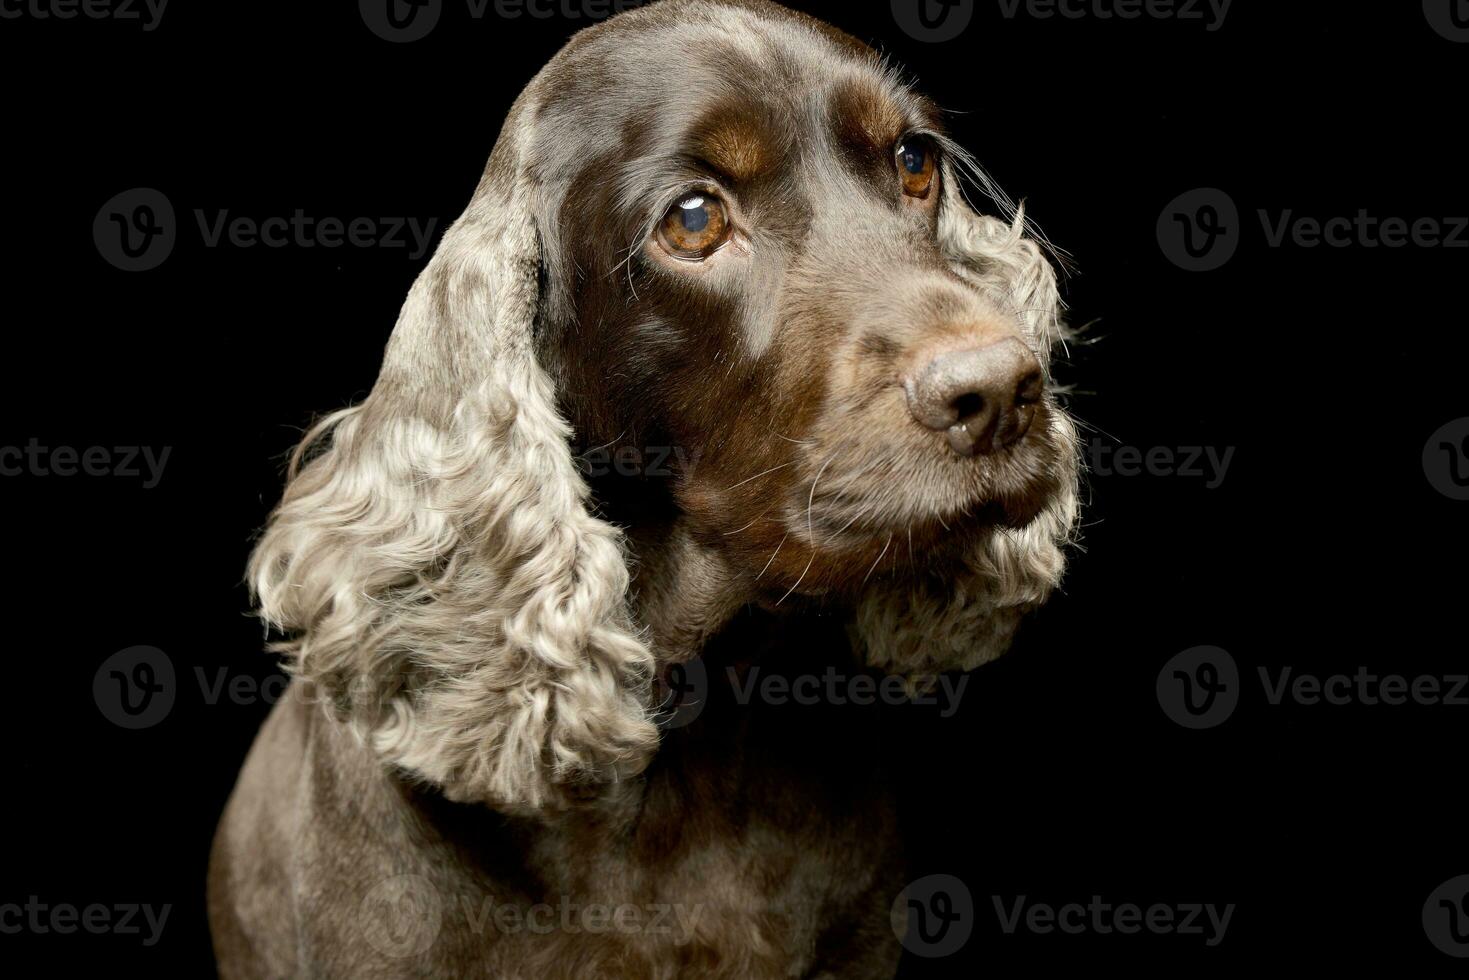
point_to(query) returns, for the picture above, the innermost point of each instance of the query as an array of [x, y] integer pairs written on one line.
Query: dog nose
[[984, 398]]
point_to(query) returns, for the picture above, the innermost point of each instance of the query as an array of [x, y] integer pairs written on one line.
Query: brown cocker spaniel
[[726, 229]]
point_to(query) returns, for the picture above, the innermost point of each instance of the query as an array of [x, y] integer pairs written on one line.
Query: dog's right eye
[[916, 165], [694, 228]]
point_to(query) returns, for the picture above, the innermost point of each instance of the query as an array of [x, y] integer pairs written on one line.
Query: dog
[[716, 225]]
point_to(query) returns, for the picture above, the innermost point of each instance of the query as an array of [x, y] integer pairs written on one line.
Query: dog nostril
[[1030, 389], [968, 405]]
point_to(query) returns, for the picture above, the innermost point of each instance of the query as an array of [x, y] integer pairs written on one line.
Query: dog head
[[718, 226]]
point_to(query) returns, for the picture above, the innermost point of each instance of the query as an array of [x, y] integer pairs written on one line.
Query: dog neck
[[683, 591]]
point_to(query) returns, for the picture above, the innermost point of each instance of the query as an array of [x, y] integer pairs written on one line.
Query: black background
[[1326, 370]]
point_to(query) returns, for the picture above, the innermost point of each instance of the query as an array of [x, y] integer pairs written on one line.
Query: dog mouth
[[840, 526], [842, 529], [828, 556], [850, 501]]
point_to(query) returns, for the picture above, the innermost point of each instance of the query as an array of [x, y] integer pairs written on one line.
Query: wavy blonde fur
[[435, 564]]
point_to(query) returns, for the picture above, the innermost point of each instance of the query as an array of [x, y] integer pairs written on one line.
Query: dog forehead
[[731, 84]]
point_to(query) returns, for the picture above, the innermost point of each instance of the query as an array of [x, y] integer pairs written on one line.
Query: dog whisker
[[799, 580], [772, 556], [595, 449], [749, 525], [879, 560], [800, 442], [810, 532], [759, 475]]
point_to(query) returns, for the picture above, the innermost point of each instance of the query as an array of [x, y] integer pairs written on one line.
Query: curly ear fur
[[435, 565], [946, 621]]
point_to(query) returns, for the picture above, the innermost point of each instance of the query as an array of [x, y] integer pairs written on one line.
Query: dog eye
[[916, 160], [694, 228]]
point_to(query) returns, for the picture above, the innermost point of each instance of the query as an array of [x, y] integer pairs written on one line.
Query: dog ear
[[433, 561], [961, 619]]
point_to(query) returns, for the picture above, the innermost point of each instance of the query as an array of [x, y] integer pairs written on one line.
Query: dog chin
[[1018, 509]]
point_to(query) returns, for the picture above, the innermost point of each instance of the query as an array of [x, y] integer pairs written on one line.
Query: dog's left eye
[[695, 227], [916, 165]]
